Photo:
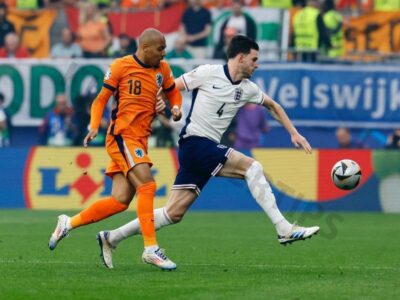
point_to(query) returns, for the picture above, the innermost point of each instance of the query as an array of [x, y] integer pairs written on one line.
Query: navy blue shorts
[[199, 159]]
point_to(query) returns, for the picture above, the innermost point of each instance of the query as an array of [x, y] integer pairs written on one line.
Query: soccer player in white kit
[[218, 91]]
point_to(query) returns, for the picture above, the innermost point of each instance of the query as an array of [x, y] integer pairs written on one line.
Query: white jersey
[[215, 100]]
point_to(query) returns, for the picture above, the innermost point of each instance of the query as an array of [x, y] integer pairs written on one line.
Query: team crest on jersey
[[238, 94], [139, 152], [159, 79], [108, 75]]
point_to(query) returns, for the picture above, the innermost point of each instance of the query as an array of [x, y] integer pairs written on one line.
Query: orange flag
[[33, 28]]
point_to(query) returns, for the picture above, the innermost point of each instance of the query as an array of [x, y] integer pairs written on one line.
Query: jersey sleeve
[[255, 94], [113, 76], [168, 79], [196, 77]]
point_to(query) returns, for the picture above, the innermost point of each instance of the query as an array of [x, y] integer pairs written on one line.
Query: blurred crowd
[[316, 27], [160, 4]]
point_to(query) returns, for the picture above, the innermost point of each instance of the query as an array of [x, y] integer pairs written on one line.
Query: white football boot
[[60, 232], [106, 249], [297, 233], [158, 259]]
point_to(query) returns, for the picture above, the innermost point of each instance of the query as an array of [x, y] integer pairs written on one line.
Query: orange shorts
[[125, 152]]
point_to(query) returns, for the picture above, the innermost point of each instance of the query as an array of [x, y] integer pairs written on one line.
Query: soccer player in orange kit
[[135, 81]]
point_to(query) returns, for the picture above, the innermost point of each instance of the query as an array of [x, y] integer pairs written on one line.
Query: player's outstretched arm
[[280, 115], [96, 113]]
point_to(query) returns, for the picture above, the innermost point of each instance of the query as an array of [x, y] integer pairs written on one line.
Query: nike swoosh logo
[[216, 87]]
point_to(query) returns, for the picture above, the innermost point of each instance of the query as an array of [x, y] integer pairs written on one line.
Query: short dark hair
[[240, 44], [2, 98]]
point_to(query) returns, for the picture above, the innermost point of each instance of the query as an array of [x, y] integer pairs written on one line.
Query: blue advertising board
[[324, 95]]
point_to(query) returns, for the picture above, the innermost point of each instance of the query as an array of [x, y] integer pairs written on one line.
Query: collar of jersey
[[139, 62], [226, 71]]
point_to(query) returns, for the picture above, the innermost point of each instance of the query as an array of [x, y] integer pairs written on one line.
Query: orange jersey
[[135, 86]]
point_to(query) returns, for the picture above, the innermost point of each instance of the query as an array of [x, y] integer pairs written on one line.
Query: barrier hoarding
[[313, 95], [72, 178]]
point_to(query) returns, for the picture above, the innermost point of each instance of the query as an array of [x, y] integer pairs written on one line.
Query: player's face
[[249, 63], [156, 52]]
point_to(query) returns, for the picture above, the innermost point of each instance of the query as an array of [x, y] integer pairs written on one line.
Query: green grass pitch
[[219, 256]]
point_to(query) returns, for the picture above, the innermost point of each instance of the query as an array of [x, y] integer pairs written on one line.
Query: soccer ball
[[346, 174]]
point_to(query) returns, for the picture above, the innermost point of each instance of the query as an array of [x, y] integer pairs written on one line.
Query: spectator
[[334, 25], [250, 124], [93, 33], [195, 28], [309, 32], [4, 125], [179, 50], [102, 4], [243, 24], [82, 105], [5, 26], [393, 141], [220, 52], [345, 140], [297, 6], [12, 47], [67, 48], [58, 128], [31, 4], [126, 46]]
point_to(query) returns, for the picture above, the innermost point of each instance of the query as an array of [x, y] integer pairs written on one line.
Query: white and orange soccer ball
[[346, 174]]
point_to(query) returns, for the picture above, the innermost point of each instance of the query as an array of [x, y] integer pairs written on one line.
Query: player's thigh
[[122, 189], [179, 202], [130, 156], [140, 174], [236, 165]]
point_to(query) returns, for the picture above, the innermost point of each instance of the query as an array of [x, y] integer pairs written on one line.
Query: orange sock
[[145, 199], [99, 210]]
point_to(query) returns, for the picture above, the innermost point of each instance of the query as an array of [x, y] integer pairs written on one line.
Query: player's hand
[[300, 141], [90, 136], [160, 104], [176, 113]]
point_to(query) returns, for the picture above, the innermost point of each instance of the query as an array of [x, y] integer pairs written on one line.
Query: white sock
[[151, 249], [262, 192], [69, 226], [161, 219]]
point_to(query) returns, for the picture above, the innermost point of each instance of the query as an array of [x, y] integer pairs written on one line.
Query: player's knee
[[175, 216], [257, 166], [255, 169], [123, 196]]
